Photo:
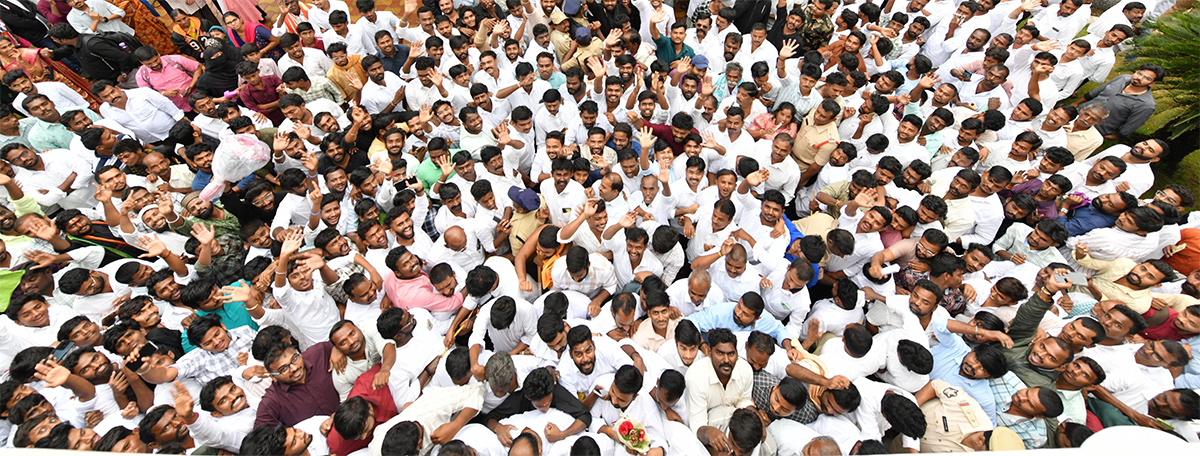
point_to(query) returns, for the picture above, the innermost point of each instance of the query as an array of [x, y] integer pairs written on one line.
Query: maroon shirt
[[385, 409], [664, 132], [290, 404], [1166, 329]]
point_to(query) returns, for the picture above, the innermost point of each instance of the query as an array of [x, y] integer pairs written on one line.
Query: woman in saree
[[242, 32], [151, 31], [41, 69], [186, 33]]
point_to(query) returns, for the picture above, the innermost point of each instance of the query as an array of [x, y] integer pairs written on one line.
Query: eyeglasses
[[923, 249], [1163, 195], [287, 368], [409, 327]]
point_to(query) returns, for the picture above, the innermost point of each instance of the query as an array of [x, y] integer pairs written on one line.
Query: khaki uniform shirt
[[814, 143], [949, 417]]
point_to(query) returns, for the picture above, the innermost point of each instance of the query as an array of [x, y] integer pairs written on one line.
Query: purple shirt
[[291, 404]]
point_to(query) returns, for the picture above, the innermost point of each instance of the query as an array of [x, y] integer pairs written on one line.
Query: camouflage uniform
[[816, 32]]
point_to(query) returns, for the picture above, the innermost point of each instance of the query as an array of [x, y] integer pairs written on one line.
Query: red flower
[[641, 434], [625, 428]]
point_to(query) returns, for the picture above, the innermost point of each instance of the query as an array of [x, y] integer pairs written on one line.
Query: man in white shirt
[[372, 20], [716, 388], [561, 193], [63, 97], [429, 86], [312, 60], [144, 111], [384, 91], [342, 31]]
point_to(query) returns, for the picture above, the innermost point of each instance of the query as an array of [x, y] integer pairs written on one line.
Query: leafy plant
[[1174, 43]]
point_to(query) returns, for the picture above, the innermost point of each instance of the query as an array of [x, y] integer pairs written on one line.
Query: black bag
[[111, 65]]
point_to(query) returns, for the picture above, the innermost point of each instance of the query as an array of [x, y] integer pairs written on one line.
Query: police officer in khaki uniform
[[955, 422], [816, 139]]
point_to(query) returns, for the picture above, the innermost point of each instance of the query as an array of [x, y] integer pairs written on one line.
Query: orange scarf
[[193, 30], [544, 273], [291, 20]]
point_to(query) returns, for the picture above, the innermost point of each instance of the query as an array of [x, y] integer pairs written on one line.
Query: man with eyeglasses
[[302, 388]]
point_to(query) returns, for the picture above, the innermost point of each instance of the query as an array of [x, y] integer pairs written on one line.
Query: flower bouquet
[[633, 435]]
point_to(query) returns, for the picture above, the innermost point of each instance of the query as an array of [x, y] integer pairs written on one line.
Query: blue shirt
[[948, 356], [721, 316], [557, 79], [233, 314], [204, 177], [1191, 372], [796, 234], [1086, 219]]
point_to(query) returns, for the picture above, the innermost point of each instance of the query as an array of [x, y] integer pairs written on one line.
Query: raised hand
[[203, 233], [292, 243], [758, 177], [658, 17], [309, 160], [153, 246], [445, 165], [49, 371], [40, 258], [628, 220], [280, 142], [184, 404], [788, 50], [590, 206], [102, 193]]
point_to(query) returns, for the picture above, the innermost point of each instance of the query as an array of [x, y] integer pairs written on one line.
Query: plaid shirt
[[203, 365], [320, 88], [760, 392], [1031, 430]]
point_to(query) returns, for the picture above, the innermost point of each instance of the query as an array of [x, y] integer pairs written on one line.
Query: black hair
[[904, 415], [746, 429], [857, 340]]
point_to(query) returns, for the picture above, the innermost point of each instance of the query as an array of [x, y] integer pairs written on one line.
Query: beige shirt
[[1109, 271], [949, 417], [646, 338], [1083, 143], [705, 392]]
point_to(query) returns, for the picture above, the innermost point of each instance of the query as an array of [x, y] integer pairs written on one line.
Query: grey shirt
[[1126, 113]]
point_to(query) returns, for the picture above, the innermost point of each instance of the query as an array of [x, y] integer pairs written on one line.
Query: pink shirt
[[418, 293], [176, 73]]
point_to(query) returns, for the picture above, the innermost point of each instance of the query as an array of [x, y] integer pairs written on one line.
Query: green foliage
[[1187, 173], [1175, 45]]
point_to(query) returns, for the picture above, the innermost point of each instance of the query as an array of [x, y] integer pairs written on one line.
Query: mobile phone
[[1077, 278], [968, 74], [62, 350], [147, 350], [404, 183]]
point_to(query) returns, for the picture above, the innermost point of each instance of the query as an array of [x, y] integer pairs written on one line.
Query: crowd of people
[[734, 227]]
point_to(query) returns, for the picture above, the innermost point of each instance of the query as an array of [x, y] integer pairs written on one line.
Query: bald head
[[821, 446], [699, 278], [456, 238], [737, 253]]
